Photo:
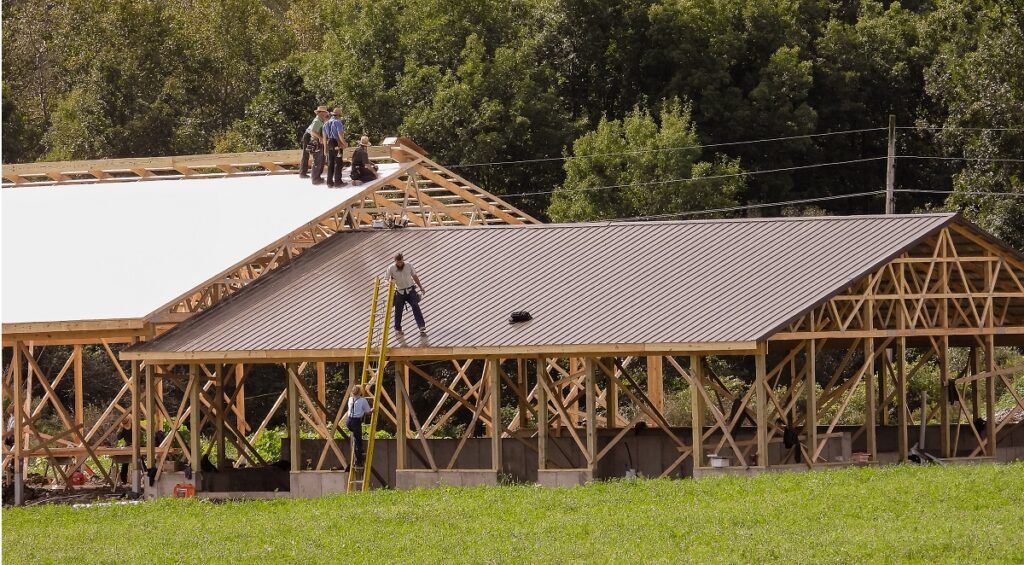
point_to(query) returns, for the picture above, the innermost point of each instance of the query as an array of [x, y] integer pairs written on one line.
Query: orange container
[[184, 490]]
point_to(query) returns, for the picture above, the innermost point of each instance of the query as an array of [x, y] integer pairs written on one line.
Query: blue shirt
[[334, 128]]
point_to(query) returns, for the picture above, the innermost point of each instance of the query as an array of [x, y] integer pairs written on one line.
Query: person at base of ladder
[[406, 282], [358, 408]]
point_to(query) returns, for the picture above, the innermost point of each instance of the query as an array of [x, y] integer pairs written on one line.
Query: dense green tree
[[276, 116], [620, 170]]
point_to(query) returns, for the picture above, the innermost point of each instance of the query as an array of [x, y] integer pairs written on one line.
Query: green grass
[[965, 514]]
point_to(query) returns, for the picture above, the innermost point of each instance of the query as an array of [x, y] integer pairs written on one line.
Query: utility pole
[[890, 168]]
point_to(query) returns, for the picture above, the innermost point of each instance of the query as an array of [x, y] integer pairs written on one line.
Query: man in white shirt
[[358, 408], [406, 282]]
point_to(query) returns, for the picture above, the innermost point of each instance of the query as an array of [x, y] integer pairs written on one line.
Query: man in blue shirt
[[334, 133]]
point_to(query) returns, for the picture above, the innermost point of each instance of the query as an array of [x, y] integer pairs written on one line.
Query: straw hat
[[337, 112], [364, 141], [322, 109]]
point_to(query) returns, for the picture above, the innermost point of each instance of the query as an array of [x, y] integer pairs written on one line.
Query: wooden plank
[[811, 399], [590, 389], [761, 394], [195, 428], [542, 415], [78, 388], [656, 382], [494, 384], [697, 410], [293, 421]]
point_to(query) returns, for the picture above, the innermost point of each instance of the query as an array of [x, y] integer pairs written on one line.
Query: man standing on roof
[[334, 132], [363, 170], [406, 282], [317, 134]]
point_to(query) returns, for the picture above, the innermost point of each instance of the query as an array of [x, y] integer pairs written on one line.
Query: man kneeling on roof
[[362, 169]]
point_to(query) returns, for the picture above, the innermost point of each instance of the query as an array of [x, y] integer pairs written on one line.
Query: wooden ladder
[[373, 375]]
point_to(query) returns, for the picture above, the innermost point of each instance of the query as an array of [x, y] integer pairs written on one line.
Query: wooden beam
[[656, 382], [590, 389], [494, 383], [293, 420], [761, 394], [811, 399], [402, 415], [321, 386], [542, 414], [195, 427], [697, 409], [78, 387]]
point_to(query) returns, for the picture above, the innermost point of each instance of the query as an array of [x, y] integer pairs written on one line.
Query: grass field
[[965, 514]]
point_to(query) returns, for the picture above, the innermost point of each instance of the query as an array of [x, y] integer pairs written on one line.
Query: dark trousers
[[413, 300], [363, 174], [304, 164], [318, 164], [334, 163], [355, 426], [124, 473]]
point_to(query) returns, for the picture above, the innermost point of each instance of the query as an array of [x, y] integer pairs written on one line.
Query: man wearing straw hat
[[358, 408], [316, 133], [334, 133], [362, 169]]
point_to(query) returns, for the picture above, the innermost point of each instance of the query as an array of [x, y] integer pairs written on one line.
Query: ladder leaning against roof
[[373, 374]]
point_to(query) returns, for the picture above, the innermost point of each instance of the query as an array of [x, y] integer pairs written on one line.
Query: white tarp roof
[[111, 251]]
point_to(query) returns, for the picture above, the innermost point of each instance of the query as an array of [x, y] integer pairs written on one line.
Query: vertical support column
[[136, 436], [974, 364], [542, 415], [353, 375], [698, 410], [194, 426], [761, 392], [883, 387], [522, 379], [945, 442], [871, 410], [321, 387], [79, 399], [573, 408], [494, 383], [218, 406], [294, 450], [656, 383], [151, 420], [811, 399], [901, 397], [590, 386], [240, 422], [402, 415], [611, 398], [990, 395], [19, 426]]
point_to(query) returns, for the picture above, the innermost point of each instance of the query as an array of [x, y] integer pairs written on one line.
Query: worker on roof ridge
[[318, 143], [334, 133], [406, 282], [363, 170]]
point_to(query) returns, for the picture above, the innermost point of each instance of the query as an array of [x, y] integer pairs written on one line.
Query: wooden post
[[698, 410], [136, 435], [901, 397], [195, 418], [883, 387], [945, 442], [990, 395], [522, 393], [542, 415], [293, 417], [975, 367], [402, 415], [151, 420], [811, 398], [218, 406], [761, 392], [79, 399], [240, 421], [590, 387], [321, 387], [353, 375], [494, 378], [574, 407], [871, 410], [611, 398], [890, 169], [656, 383], [19, 426]]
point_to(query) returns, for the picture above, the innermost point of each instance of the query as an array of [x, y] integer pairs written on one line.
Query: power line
[[694, 179], [980, 159], [748, 206], [970, 192], [955, 128], [662, 149]]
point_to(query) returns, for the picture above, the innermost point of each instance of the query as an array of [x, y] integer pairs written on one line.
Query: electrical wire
[[980, 159], [662, 149], [955, 128], [969, 192], [693, 179], [747, 207]]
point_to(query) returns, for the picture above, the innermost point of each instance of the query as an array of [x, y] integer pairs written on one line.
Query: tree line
[[621, 109]]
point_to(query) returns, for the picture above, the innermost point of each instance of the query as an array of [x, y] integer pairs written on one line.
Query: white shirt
[[403, 278], [358, 407]]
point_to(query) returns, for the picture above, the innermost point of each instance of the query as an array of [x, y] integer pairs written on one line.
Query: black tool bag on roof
[[520, 316]]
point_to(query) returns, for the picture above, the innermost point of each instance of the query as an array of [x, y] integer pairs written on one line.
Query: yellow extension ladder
[[373, 375]]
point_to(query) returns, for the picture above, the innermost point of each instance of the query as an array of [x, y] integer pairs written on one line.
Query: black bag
[[520, 316]]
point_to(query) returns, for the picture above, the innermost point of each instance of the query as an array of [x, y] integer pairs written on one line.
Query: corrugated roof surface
[[584, 284]]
